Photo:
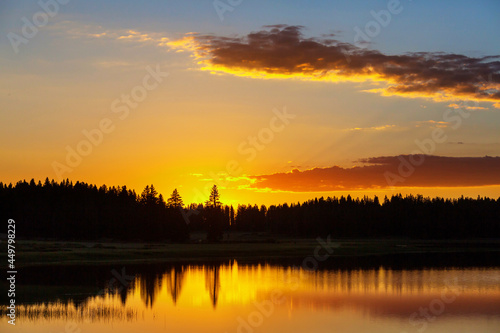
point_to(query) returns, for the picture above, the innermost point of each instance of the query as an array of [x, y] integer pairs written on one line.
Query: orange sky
[[270, 113]]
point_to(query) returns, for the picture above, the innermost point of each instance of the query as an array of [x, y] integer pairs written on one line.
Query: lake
[[256, 297]]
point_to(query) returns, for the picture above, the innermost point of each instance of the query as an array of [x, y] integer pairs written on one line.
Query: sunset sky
[[273, 101]]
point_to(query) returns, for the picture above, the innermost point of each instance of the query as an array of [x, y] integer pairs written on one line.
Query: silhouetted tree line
[[408, 217], [80, 211]]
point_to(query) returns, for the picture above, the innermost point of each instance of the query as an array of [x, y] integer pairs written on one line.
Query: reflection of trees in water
[[359, 287], [174, 280], [151, 284], [120, 289], [123, 294], [150, 287], [212, 282]]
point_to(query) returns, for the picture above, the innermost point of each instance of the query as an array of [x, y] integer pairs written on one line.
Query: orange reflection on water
[[222, 298]]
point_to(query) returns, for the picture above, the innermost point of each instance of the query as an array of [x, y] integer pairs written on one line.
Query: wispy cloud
[[282, 51], [417, 124], [465, 107], [436, 171], [432, 123], [476, 108], [86, 31], [113, 64], [373, 128]]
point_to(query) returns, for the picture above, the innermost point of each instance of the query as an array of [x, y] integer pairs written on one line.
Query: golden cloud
[[282, 52]]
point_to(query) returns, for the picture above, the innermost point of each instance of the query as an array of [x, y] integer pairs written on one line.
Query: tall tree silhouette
[[175, 200], [149, 195], [214, 198], [231, 216], [214, 216]]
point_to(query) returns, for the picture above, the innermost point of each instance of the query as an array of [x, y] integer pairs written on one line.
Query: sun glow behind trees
[[81, 211]]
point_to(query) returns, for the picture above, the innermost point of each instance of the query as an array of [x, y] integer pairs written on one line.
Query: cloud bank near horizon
[[387, 171]]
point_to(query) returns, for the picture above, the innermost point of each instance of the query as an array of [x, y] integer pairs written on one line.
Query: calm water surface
[[258, 298]]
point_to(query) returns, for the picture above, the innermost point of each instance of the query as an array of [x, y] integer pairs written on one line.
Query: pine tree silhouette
[[175, 200]]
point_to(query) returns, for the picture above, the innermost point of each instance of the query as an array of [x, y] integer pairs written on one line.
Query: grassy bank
[[31, 253]]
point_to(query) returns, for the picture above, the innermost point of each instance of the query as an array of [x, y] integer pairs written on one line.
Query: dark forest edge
[[63, 211]]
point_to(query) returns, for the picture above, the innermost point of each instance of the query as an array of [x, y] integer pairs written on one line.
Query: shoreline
[[40, 253]]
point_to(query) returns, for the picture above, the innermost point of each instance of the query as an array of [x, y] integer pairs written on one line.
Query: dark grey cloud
[[386, 171], [283, 49]]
